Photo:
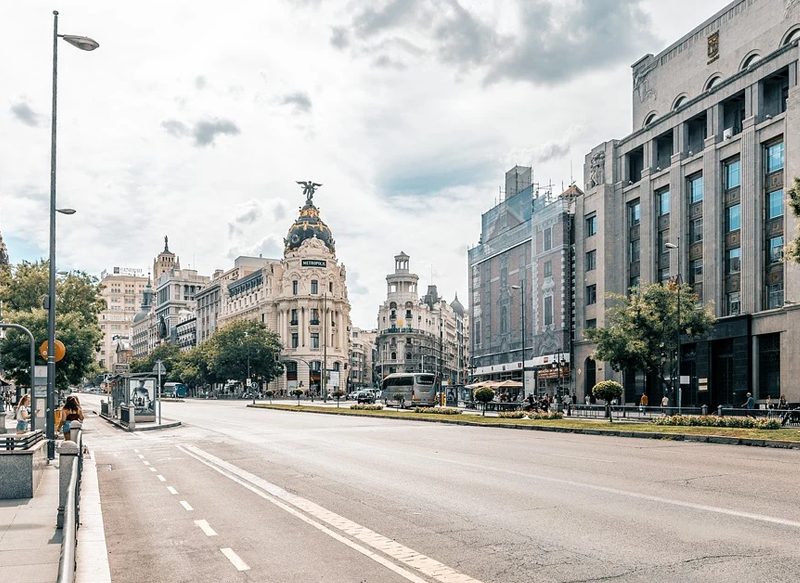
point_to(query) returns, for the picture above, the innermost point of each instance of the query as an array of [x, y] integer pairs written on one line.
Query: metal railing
[[22, 441], [67, 562], [788, 417]]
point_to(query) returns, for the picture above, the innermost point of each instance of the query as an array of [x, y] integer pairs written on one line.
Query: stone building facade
[[524, 256], [362, 357], [420, 334], [122, 289], [715, 145]]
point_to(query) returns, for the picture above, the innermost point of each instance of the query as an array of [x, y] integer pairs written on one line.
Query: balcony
[[406, 330], [292, 322], [314, 322]]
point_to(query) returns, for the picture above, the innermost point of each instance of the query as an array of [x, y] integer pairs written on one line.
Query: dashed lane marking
[[235, 559], [173, 491], [161, 478], [308, 511], [186, 506], [141, 457], [153, 470], [204, 526], [145, 462]]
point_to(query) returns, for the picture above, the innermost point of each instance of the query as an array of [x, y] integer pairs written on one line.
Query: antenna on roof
[[571, 177]]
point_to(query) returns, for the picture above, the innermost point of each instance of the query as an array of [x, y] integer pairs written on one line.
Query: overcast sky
[[195, 119]]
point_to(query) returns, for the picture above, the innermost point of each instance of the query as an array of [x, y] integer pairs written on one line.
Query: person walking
[[71, 411], [750, 403], [643, 402], [665, 405], [22, 414]]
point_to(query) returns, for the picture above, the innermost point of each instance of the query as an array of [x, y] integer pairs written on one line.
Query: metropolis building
[[715, 146]]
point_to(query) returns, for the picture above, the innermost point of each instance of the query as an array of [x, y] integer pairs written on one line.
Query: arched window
[[393, 356], [650, 118], [750, 59], [713, 80], [679, 102], [393, 305], [792, 36]]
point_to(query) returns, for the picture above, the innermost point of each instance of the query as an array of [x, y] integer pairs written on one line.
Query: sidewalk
[[30, 544]]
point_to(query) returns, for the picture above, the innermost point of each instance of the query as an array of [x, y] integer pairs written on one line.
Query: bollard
[[74, 430], [67, 451], [719, 410], [704, 410], [3, 421]]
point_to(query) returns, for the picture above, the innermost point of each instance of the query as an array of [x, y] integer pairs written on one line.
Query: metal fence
[[788, 417], [69, 511], [21, 441]]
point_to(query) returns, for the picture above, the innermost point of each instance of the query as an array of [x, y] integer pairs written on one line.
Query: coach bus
[[173, 390], [410, 389]]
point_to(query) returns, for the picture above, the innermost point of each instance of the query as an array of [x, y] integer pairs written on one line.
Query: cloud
[[299, 99], [386, 62], [463, 39], [200, 82], [278, 212], [204, 132], [551, 151], [394, 13], [354, 285], [340, 37], [23, 112], [249, 217]]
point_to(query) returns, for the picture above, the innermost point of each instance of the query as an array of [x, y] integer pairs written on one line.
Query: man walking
[[750, 403]]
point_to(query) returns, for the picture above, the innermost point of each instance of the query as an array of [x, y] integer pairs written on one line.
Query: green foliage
[[792, 249], [168, 354], [715, 421], [607, 390], [512, 414], [78, 303], [484, 394], [366, 407], [546, 416], [438, 410], [241, 345], [642, 328]]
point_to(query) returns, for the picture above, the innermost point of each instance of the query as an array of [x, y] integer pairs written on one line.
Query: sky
[[194, 121]]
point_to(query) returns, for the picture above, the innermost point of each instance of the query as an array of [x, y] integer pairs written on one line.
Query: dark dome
[[308, 226]]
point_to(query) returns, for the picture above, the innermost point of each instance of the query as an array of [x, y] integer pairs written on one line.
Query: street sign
[[61, 350], [159, 368], [249, 382]]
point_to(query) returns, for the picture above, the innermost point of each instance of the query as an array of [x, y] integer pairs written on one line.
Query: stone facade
[[362, 357], [716, 126], [123, 290]]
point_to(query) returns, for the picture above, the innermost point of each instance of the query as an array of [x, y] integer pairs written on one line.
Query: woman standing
[[71, 411], [23, 414]]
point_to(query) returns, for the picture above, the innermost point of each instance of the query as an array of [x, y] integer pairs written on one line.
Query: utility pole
[[324, 345]]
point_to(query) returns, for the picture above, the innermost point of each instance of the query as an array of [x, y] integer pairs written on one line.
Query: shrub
[[607, 390], [366, 407], [438, 410], [715, 421], [548, 415], [297, 393], [484, 395], [512, 414]]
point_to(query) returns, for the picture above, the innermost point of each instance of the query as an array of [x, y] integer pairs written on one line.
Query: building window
[[696, 230], [734, 304], [733, 177], [295, 339], [293, 320], [295, 286], [696, 271], [591, 225], [591, 294], [663, 275], [662, 200], [774, 204], [591, 323], [315, 341], [733, 218], [548, 269], [633, 247], [591, 260], [548, 238], [314, 286], [775, 295], [775, 157], [775, 249], [696, 189], [548, 311], [634, 213], [769, 365], [733, 260], [503, 319], [330, 286], [314, 316], [633, 282]]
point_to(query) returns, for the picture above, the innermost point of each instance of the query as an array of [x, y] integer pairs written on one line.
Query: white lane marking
[[162, 478], [145, 462], [203, 524], [141, 457], [234, 558], [153, 470], [172, 490], [617, 492], [295, 504], [135, 450], [186, 506]]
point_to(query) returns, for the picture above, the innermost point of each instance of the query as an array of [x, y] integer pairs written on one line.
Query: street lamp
[[559, 364], [85, 44], [521, 288], [677, 377]]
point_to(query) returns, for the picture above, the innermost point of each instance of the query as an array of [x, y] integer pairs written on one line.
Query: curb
[[152, 428], [718, 439]]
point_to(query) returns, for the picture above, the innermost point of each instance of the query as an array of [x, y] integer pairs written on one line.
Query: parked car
[[365, 397], [352, 395]]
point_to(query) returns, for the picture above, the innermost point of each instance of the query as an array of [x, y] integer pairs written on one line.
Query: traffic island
[[778, 438]]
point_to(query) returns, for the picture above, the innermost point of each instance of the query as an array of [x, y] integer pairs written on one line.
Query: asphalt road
[[239, 494]]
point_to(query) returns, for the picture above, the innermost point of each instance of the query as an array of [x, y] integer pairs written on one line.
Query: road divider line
[[145, 462], [153, 470], [204, 526], [186, 506], [135, 450], [173, 491], [235, 559], [141, 457], [161, 478], [308, 511]]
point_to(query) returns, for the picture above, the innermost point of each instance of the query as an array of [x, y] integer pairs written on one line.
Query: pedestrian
[[664, 404], [750, 403], [587, 399], [71, 411], [782, 402], [643, 402], [23, 414]]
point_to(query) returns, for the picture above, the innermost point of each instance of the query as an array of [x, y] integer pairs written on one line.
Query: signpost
[[159, 369]]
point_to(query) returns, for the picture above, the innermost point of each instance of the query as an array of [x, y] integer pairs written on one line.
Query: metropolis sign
[[314, 263]]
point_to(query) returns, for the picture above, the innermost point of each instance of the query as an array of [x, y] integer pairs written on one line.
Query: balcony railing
[[314, 322], [405, 330]]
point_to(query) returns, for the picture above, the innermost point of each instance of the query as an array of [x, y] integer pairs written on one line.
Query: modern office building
[[523, 258], [714, 144]]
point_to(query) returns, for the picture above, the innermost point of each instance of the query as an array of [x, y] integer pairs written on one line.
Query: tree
[[193, 366], [642, 331], [484, 395], [78, 303], [168, 354], [243, 346], [607, 391], [793, 248]]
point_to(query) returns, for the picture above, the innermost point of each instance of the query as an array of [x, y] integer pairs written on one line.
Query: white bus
[[414, 389]]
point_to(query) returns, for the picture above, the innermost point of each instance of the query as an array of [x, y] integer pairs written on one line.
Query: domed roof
[[309, 226], [457, 307]]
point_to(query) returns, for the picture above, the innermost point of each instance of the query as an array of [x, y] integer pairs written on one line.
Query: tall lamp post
[[85, 44], [521, 288], [677, 382]]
